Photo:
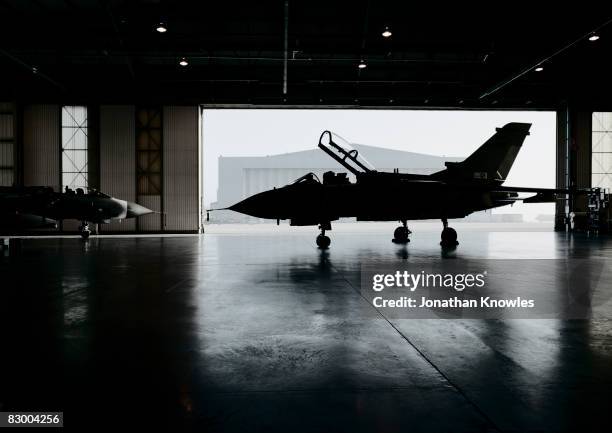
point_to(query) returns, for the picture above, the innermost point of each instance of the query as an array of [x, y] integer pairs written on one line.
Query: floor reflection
[[265, 332]]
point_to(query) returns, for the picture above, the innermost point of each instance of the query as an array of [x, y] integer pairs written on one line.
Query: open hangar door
[[247, 151]]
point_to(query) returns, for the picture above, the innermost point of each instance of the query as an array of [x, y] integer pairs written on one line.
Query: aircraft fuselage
[[373, 198]]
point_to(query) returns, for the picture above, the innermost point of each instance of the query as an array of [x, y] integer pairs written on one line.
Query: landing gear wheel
[[449, 237], [400, 235], [323, 241], [84, 229]]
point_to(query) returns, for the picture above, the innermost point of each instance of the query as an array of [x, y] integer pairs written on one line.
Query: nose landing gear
[[449, 235], [84, 230], [323, 241], [400, 235]]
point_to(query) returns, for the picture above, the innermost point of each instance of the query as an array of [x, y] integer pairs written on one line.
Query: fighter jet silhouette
[[39, 206], [461, 188]]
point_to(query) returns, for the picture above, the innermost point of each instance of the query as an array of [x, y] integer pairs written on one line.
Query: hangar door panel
[[7, 143]]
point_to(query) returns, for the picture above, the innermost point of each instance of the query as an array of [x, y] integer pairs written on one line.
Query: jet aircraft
[[40, 206], [464, 187]]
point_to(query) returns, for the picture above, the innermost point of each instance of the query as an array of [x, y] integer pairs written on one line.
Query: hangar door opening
[[246, 151]]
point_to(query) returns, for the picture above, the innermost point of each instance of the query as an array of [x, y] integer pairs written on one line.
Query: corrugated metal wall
[[181, 164], [583, 134], [149, 165], [561, 166], [41, 146], [7, 143], [582, 143], [150, 223], [118, 158], [574, 153]]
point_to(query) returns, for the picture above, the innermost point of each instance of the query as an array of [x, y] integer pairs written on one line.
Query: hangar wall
[[181, 167], [118, 158], [41, 146], [582, 148], [114, 156], [574, 155], [7, 144]]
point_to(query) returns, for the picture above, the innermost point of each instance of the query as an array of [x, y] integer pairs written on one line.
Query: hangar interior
[[263, 331]]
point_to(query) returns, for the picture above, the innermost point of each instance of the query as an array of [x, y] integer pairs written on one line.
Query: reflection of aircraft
[[38, 206], [462, 188]]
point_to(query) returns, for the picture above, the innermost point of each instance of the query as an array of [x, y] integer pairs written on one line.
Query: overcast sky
[[255, 132]]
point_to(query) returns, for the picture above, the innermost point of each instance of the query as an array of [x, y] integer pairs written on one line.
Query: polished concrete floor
[[264, 332]]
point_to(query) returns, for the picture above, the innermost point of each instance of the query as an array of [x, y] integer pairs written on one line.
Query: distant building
[[545, 218], [490, 217], [242, 176]]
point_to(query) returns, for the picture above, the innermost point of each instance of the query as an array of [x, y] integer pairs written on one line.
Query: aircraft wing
[[541, 190], [20, 208], [30, 200], [542, 195]]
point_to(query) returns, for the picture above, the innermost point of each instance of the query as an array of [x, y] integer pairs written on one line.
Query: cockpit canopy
[[329, 178], [95, 193], [91, 192], [344, 153], [306, 179]]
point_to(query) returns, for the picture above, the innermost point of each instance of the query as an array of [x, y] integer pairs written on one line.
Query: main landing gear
[[400, 235], [449, 235], [322, 240], [84, 230]]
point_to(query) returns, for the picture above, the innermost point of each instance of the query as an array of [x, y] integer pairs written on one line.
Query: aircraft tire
[[449, 237], [400, 235], [323, 242]]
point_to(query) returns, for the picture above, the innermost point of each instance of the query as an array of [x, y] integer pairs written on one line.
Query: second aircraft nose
[[136, 210]]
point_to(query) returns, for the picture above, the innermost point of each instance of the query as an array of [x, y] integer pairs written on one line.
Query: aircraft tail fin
[[492, 161]]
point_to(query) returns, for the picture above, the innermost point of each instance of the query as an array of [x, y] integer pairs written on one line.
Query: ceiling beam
[[542, 61]]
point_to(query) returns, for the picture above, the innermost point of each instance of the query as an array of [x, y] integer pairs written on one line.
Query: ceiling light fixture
[[539, 68], [386, 32], [161, 27], [362, 64], [594, 37], [183, 62]]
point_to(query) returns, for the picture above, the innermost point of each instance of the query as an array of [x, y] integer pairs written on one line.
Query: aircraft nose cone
[[248, 206], [136, 210], [260, 205]]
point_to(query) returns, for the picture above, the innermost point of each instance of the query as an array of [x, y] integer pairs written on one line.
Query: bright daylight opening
[[247, 151]]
